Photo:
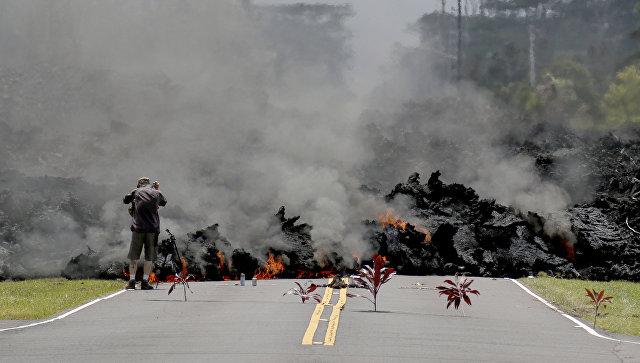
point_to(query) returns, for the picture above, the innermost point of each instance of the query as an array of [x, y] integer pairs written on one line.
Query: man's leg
[[134, 255], [133, 267], [147, 269], [149, 252]]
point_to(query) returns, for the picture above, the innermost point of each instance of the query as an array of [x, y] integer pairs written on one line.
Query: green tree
[[582, 85], [621, 100]]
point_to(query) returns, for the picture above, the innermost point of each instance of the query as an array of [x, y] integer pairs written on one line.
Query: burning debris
[[472, 235]]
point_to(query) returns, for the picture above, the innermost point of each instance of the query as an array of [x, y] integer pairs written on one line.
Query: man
[[145, 227]]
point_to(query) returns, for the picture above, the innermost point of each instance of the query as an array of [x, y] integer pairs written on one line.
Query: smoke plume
[[236, 109]]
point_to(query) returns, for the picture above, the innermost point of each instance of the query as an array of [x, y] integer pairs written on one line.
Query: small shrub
[[372, 278], [597, 299], [305, 292], [458, 291]]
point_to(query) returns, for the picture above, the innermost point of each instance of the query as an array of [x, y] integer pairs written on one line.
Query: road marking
[[332, 326], [307, 339], [576, 321], [65, 314]]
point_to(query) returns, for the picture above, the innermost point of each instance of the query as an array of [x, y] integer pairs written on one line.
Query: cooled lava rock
[[470, 234]]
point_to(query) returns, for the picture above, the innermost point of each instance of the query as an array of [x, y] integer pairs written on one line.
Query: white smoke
[[223, 103], [236, 110]]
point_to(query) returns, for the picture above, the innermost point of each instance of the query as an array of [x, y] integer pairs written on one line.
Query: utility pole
[[532, 54], [459, 60]]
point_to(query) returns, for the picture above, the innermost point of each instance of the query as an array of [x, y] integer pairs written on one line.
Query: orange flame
[[184, 266], [321, 257], [220, 255], [273, 267], [153, 277], [427, 234], [388, 219], [357, 257]]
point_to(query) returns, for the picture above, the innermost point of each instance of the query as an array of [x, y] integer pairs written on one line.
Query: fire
[[273, 267], [388, 219], [321, 257], [427, 234], [184, 265], [152, 276], [356, 257], [220, 255]]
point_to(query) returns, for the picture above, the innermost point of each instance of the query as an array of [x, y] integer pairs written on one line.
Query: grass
[[621, 316], [42, 298]]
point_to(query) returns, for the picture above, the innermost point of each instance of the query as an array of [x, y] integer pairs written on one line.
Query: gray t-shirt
[[147, 200]]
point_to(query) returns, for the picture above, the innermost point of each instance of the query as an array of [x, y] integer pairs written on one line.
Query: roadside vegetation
[[43, 298], [622, 314]]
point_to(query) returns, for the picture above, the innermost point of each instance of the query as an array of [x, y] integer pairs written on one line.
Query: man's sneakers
[[131, 285], [144, 285]]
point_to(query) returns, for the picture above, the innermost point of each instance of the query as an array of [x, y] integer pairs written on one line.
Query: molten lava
[[305, 274], [571, 250], [388, 219]]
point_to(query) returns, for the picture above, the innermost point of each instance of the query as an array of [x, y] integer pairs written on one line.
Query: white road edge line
[[65, 314], [578, 323]]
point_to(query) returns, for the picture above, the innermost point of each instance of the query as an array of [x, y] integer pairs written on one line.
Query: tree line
[[575, 62]]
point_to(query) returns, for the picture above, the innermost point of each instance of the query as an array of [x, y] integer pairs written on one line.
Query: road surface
[[225, 322]]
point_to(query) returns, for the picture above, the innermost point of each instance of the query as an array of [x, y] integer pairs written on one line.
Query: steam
[[235, 109]]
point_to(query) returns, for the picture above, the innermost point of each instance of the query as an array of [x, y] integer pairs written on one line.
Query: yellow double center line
[[316, 317]]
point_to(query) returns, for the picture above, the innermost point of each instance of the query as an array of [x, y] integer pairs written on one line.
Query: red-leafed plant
[[372, 278], [458, 291], [597, 299], [305, 292], [181, 278]]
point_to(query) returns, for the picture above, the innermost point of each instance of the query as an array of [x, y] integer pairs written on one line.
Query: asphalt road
[[224, 322]]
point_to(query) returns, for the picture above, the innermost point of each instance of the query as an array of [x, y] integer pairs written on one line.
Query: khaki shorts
[[148, 240]]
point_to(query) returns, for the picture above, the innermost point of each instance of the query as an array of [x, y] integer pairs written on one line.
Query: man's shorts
[[148, 240]]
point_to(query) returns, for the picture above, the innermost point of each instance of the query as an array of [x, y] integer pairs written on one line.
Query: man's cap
[[143, 180]]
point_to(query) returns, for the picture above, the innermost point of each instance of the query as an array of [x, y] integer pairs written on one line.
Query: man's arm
[[161, 202]]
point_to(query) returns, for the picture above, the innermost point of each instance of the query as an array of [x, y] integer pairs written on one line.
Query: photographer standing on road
[[145, 227]]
